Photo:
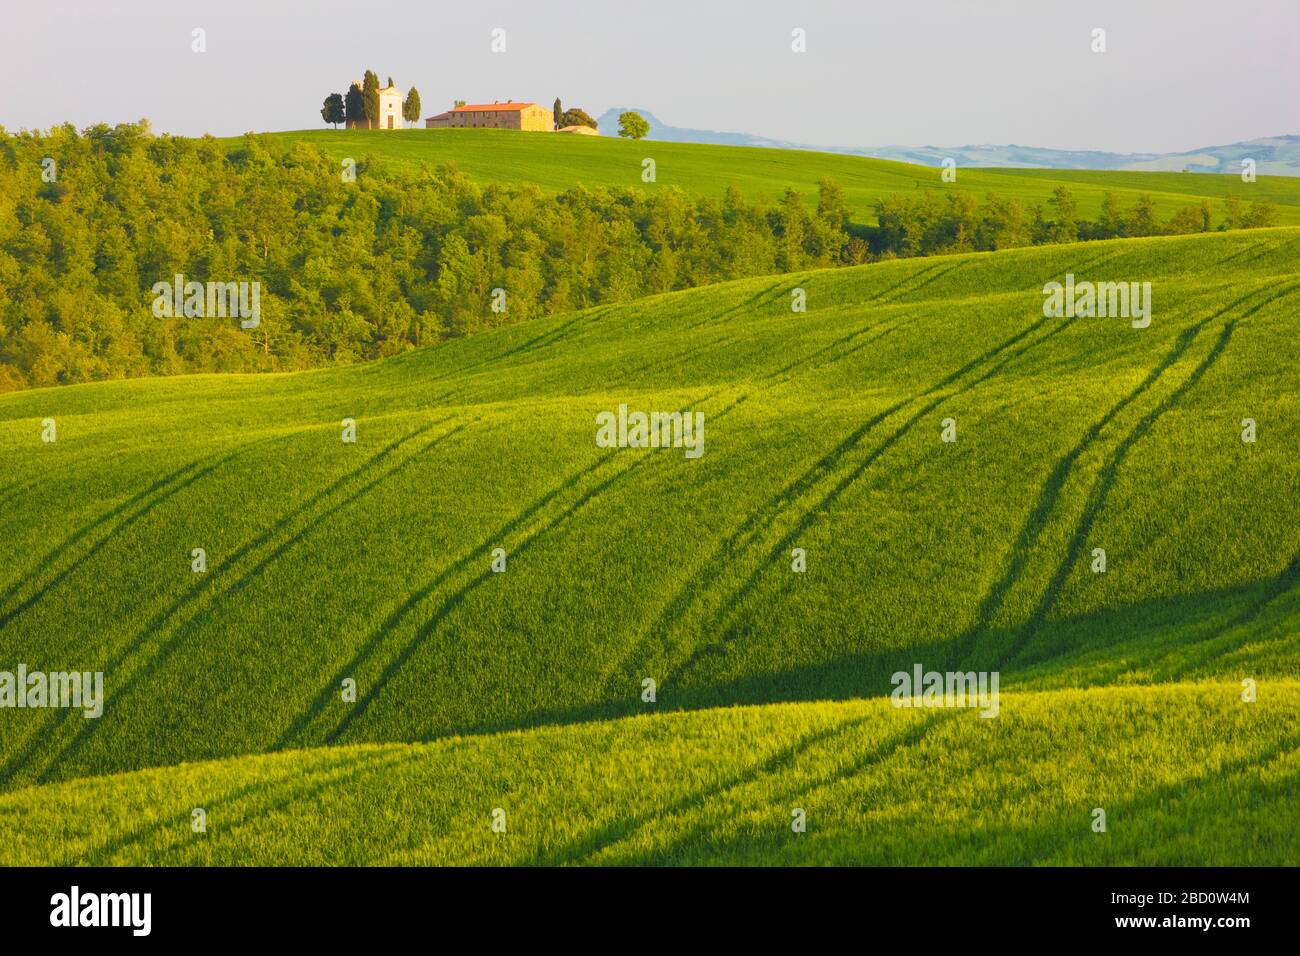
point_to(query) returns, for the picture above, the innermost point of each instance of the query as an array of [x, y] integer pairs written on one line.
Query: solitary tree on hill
[[370, 98], [411, 108], [354, 110], [632, 125], [332, 111]]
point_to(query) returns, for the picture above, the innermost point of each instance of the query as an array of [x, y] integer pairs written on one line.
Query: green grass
[[371, 561], [557, 163], [877, 785]]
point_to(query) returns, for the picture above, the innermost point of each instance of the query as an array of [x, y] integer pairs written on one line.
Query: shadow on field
[[804, 502], [1174, 638], [972, 642]]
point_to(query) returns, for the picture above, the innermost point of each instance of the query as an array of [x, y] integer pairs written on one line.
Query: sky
[[1176, 74]]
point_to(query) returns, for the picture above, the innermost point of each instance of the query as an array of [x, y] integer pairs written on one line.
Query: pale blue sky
[[1177, 74]]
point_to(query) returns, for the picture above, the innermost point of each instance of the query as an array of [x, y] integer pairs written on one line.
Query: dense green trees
[[576, 117], [557, 113], [1255, 216], [356, 268], [348, 271], [937, 222]]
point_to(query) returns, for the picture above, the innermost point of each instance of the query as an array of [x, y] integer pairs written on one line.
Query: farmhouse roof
[[490, 107], [438, 116]]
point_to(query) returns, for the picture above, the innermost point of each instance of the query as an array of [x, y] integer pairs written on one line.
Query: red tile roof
[[438, 116], [489, 107]]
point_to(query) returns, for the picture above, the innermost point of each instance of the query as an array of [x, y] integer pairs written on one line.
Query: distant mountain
[[608, 123], [1273, 155]]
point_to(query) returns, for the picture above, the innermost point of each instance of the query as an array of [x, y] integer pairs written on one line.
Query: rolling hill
[[877, 786], [372, 561], [1274, 155], [556, 163]]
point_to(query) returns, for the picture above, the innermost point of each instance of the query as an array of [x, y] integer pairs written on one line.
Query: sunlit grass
[[371, 561], [557, 163], [1185, 774]]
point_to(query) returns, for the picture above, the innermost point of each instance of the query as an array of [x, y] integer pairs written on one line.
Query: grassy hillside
[[372, 560], [559, 162], [878, 785]]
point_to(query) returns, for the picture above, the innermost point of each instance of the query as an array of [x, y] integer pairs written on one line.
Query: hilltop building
[[390, 110], [507, 115]]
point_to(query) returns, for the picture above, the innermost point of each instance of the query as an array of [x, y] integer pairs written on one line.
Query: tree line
[[395, 257], [951, 222], [348, 270]]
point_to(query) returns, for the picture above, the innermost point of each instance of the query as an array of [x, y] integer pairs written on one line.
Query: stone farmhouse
[[507, 115]]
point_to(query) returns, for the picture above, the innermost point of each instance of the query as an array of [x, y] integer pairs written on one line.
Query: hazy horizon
[[1174, 77]]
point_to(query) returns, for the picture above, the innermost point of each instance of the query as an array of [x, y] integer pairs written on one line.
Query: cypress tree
[[411, 108], [354, 106], [370, 98]]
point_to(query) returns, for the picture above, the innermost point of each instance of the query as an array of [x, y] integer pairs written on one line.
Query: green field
[[560, 162], [521, 690], [877, 786]]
